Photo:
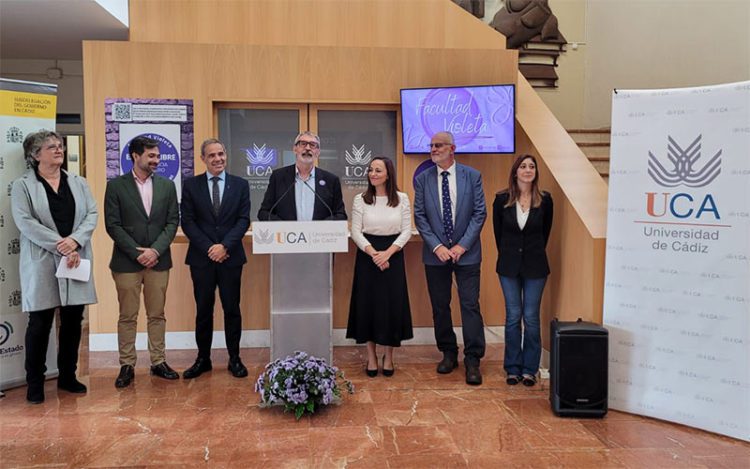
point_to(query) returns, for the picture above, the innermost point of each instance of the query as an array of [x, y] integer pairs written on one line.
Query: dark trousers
[[37, 342], [439, 283], [205, 281]]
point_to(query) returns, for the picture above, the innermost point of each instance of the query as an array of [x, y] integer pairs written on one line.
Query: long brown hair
[[514, 192], [391, 188]]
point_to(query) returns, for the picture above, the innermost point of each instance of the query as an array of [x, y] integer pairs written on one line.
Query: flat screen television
[[481, 118]]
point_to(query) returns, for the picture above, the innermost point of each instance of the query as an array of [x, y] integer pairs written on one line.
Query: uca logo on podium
[[684, 169], [261, 160], [358, 160], [282, 237], [263, 236]]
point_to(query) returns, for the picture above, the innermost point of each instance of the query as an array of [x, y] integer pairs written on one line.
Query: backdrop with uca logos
[[676, 298]]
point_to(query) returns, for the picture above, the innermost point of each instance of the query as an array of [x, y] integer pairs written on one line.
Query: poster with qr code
[[169, 121]]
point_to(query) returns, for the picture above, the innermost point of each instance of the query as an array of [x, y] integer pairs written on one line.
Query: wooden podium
[[301, 282]]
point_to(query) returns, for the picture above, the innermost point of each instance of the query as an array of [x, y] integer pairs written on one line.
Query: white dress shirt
[[451, 188]]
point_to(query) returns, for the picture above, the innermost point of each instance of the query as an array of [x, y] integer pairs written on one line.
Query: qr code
[[122, 112]]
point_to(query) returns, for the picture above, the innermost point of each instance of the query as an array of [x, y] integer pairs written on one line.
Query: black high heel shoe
[[386, 372], [371, 373]]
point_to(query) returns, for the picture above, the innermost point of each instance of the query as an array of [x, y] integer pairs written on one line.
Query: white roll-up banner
[[677, 282], [25, 107]]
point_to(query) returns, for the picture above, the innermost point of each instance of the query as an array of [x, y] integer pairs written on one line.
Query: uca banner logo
[[358, 156], [684, 168], [261, 160], [358, 160], [684, 171]]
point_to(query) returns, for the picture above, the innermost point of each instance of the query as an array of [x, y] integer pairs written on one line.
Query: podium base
[[313, 334]]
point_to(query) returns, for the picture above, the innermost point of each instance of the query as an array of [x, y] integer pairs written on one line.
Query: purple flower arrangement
[[301, 383]]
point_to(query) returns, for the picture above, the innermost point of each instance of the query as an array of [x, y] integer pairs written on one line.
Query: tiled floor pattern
[[414, 419]]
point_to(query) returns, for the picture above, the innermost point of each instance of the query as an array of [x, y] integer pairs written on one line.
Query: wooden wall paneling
[[357, 23], [209, 73]]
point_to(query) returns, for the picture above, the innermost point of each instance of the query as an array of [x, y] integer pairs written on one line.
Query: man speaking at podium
[[215, 217], [301, 191]]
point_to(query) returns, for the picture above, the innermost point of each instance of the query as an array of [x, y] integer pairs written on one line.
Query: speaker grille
[[582, 378]]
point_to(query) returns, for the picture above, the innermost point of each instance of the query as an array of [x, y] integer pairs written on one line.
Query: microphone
[[270, 211], [319, 198]]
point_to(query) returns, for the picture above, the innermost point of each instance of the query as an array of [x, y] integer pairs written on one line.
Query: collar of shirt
[[451, 171], [142, 181], [222, 176], [222, 180], [297, 176]]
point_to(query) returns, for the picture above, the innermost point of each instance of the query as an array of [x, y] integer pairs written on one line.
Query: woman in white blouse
[[522, 218], [379, 311]]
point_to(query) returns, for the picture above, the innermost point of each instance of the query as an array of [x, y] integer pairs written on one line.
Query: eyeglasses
[[304, 143], [438, 146], [55, 146]]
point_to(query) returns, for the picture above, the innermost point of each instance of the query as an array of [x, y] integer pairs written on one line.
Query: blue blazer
[[203, 228], [471, 212]]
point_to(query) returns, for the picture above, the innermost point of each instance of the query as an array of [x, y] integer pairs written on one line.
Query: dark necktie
[[447, 211], [215, 197]]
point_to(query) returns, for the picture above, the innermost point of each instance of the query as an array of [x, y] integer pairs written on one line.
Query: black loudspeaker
[[579, 360]]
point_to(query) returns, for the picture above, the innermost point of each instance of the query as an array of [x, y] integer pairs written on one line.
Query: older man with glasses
[[302, 191], [449, 211]]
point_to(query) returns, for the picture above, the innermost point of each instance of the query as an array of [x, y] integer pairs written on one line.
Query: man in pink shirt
[[141, 217]]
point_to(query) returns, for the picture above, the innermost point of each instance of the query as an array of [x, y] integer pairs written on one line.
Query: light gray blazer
[[40, 289]]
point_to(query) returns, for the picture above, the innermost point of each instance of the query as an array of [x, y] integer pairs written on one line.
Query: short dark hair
[[211, 141], [139, 144]]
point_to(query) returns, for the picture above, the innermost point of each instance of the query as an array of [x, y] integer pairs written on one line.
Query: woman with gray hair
[[56, 215]]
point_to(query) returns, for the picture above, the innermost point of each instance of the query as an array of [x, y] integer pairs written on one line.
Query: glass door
[[259, 139]]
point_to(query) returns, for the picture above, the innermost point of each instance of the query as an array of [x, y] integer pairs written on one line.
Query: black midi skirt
[[379, 309]]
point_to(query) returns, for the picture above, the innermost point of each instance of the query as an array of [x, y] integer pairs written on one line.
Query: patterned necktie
[[447, 211], [216, 198]]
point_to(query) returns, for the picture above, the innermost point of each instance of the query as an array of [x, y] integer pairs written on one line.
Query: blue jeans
[[522, 299]]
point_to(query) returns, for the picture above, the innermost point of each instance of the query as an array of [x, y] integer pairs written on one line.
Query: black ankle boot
[[35, 393], [71, 384]]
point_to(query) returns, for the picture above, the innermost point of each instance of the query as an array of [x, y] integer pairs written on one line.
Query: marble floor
[[414, 419]]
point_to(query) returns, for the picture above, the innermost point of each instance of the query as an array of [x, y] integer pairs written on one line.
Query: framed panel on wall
[[351, 135], [259, 139]]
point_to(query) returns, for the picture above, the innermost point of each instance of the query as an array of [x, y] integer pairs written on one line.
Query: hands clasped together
[[148, 257], [380, 258], [69, 247], [453, 254], [218, 253]]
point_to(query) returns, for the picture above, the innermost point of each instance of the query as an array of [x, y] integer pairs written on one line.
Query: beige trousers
[[128, 286]]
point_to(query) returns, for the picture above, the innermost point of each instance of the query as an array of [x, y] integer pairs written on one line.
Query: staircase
[[594, 143]]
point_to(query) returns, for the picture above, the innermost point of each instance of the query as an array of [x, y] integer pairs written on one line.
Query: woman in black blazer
[[522, 218]]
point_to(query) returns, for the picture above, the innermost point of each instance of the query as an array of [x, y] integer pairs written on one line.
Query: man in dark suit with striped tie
[[215, 216]]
